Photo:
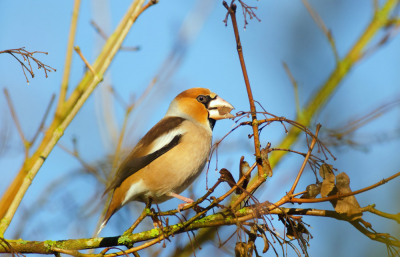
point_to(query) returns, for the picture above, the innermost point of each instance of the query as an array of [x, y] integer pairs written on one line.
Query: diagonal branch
[[219, 219], [5, 222], [17, 123], [305, 160], [395, 217], [320, 23], [232, 12], [68, 58], [86, 86], [325, 92]]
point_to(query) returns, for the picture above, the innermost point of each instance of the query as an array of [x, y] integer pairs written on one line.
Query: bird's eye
[[201, 98]]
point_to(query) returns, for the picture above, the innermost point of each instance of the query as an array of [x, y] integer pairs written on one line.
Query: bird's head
[[200, 104]]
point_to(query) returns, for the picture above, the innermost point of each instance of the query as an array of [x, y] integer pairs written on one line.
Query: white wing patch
[[165, 139], [135, 190]]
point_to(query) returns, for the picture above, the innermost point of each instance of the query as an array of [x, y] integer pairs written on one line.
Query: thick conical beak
[[220, 109]]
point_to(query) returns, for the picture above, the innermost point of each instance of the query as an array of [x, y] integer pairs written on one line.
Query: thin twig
[[144, 214], [295, 87], [26, 57], [78, 50], [61, 118], [320, 23], [17, 123], [104, 36], [68, 56], [5, 222], [338, 196], [305, 160], [371, 209], [232, 11]]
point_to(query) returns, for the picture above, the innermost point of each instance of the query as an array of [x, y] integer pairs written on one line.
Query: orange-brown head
[[200, 104]]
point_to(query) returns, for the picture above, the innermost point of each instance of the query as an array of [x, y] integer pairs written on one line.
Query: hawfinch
[[172, 154]]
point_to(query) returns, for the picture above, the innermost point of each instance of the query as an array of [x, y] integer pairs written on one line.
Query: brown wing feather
[[139, 158]]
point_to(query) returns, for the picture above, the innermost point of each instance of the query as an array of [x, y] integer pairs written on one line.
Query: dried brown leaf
[[264, 236], [244, 249], [349, 204], [227, 176], [312, 191], [328, 183], [243, 168], [240, 249], [265, 162]]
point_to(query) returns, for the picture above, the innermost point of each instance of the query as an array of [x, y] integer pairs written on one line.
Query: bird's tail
[[106, 218], [102, 226], [112, 208]]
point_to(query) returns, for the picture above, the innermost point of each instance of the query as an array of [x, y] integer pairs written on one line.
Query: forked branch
[[27, 57]]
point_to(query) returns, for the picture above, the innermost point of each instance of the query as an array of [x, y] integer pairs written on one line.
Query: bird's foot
[[180, 206], [185, 199], [156, 221]]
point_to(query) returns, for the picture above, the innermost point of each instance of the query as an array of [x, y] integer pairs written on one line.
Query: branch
[[68, 57], [219, 219], [232, 12], [26, 57], [305, 161], [338, 196], [371, 209], [17, 123], [325, 92], [380, 237], [82, 91], [320, 23], [295, 88], [5, 222], [104, 36]]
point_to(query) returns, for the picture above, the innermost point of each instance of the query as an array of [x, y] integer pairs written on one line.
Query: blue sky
[[286, 33]]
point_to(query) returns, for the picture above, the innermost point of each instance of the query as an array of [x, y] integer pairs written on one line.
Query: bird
[[171, 155]]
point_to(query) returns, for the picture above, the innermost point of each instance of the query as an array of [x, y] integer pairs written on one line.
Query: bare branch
[[26, 57]]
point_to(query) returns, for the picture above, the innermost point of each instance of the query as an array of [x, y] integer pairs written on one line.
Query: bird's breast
[[175, 171]]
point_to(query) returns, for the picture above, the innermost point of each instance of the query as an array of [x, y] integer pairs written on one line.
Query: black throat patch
[[212, 123]]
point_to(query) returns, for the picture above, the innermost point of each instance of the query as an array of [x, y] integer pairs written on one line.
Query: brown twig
[[78, 50], [232, 12], [295, 87], [16, 190], [320, 23], [248, 10], [305, 160], [338, 196], [76, 154], [25, 142], [104, 36], [26, 57], [144, 214]]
